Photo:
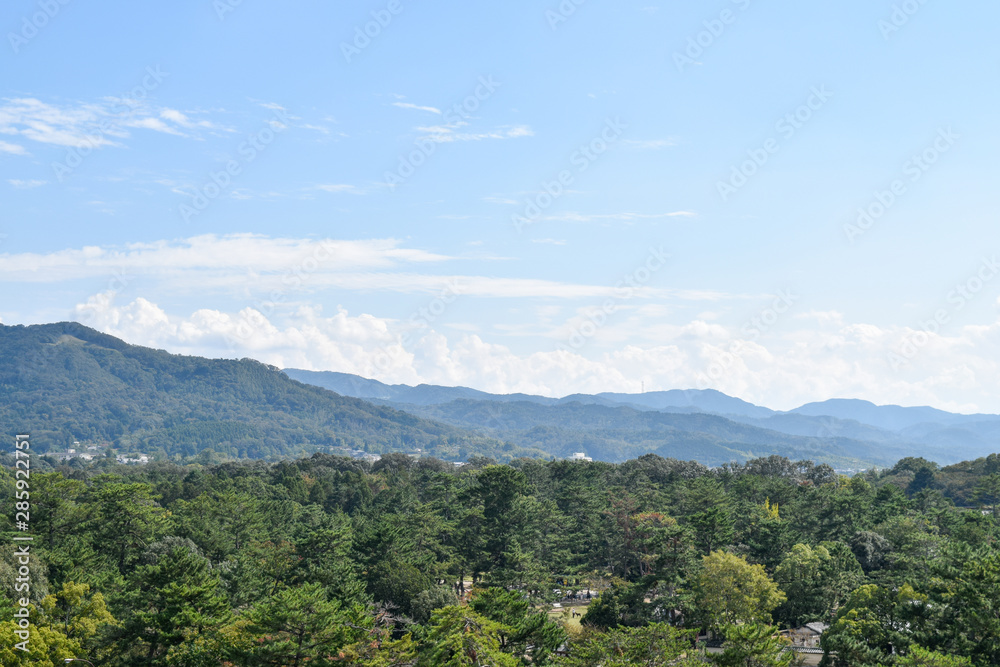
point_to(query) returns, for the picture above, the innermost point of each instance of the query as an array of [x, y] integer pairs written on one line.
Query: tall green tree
[[301, 626], [496, 501], [128, 520], [533, 638], [173, 599], [459, 637]]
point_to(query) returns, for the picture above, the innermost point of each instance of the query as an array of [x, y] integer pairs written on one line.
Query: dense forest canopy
[[701, 424], [333, 561]]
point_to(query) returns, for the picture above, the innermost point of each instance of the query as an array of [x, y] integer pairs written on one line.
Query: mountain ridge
[[923, 430], [65, 382]]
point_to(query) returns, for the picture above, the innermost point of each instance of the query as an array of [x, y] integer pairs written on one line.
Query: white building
[[580, 456], [141, 459]]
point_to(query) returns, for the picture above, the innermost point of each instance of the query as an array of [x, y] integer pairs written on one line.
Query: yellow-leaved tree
[[731, 591]]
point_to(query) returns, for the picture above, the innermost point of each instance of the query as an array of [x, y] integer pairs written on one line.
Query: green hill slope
[[618, 433], [66, 382]]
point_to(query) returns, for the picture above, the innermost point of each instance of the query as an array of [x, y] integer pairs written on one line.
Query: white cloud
[[407, 105], [214, 254], [650, 144], [448, 133], [242, 262], [25, 185], [154, 124], [87, 124], [780, 370], [625, 217], [520, 131], [182, 119], [13, 149], [340, 187]]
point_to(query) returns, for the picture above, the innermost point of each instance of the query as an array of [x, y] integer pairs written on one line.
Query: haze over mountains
[[66, 382], [614, 425]]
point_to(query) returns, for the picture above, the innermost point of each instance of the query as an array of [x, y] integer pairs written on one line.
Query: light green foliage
[[754, 645], [46, 647], [77, 613], [872, 625], [654, 645], [732, 591], [920, 657], [459, 637]]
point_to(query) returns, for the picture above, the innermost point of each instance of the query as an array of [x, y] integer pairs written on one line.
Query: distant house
[[807, 636], [71, 453], [580, 456]]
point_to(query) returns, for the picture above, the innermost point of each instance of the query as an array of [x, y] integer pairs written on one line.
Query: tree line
[[334, 561]]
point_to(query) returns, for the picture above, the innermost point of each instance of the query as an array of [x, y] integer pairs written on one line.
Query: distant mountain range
[[706, 425], [66, 382]]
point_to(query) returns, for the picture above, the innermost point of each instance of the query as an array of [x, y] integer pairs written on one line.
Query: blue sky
[[518, 196]]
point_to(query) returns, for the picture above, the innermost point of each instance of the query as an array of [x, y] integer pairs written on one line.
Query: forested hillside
[[332, 561], [846, 433], [67, 382], [617, 433]]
